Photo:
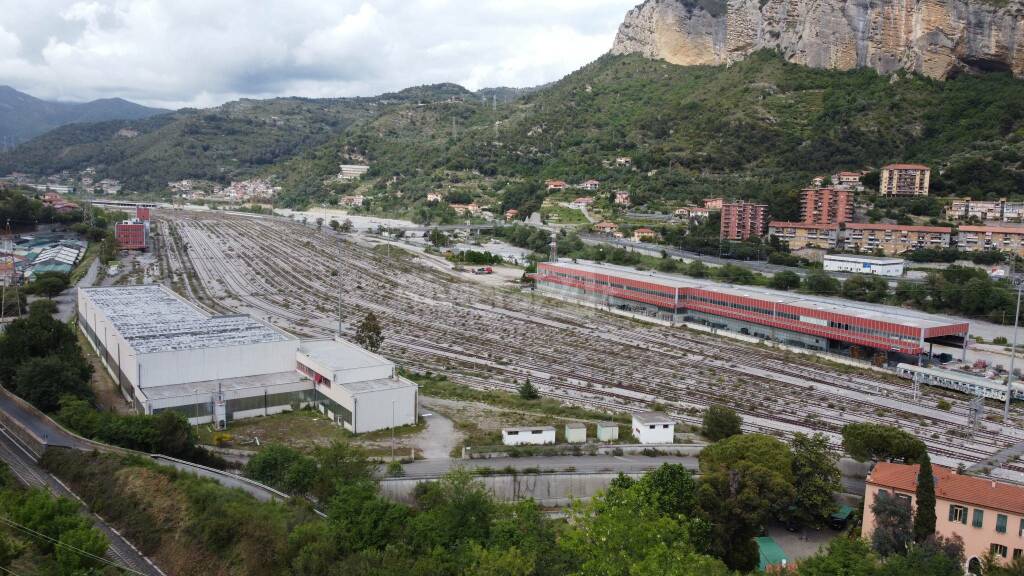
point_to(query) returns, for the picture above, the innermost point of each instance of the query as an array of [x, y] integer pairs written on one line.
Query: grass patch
[[79, 272], [438, 386], [303, 430]]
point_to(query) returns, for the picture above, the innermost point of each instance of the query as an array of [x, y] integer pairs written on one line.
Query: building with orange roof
[[904, 180], [986, 514], [606, 227], [641, 234]]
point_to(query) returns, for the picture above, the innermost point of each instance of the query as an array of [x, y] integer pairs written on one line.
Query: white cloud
[[204, 52]]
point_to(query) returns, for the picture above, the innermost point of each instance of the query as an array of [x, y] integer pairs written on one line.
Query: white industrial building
[[167, 354], [653, 428], [607, 431], [864, 265], [575, 432], [534, 435]]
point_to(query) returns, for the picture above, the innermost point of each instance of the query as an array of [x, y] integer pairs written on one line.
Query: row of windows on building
[[959, 514], [609, 283], [790, 316]]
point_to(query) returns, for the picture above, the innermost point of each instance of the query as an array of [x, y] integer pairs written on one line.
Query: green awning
[[842, 514], [771, 553]]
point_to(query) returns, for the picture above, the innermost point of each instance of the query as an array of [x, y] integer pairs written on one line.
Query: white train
[[961, 382]]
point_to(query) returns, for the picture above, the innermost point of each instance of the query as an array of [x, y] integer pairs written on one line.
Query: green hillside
[[758, 129], [235, 140]]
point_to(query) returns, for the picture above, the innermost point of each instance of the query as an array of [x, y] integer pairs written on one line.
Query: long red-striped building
[[815, 322]]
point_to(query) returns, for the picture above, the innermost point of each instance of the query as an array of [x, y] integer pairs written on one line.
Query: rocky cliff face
[[937, 38]]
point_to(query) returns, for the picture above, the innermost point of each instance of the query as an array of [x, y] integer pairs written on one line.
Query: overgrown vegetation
[[438, 386], [45, 535]]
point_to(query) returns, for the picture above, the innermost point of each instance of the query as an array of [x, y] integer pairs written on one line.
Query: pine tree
[[369, 334], [924, 518], [528, 391]]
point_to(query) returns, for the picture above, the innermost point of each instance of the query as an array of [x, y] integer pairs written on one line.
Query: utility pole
[[1018, 283], [554, 247], [340, 289]]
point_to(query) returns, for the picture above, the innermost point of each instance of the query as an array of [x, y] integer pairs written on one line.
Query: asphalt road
[[51, 434], [32, 475]]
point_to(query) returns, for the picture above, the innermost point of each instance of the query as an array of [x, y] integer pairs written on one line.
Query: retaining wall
[[546, 489]]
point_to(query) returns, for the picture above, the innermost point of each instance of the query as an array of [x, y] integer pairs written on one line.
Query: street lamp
[[1018, 283]]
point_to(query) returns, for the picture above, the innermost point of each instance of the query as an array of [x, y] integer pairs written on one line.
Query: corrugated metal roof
[[154, 319]]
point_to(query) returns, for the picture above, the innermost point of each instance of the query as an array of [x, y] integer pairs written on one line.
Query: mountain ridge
[[23, 116]]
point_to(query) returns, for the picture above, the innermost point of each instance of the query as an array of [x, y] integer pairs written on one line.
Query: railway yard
[[488, 336]]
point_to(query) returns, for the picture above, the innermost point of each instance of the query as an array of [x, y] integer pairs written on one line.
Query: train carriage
[[960, 382]]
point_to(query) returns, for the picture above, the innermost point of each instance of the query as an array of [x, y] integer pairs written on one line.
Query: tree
[[867, 441], [720, 422], [346, 226], [893, 531], [819, 282], [528, 391], [865, 288], [671, 489], [785, 280], [844, 556], [48, 284], [815, 478], [369, 334], [361, 518], [80, 550], [623, 533], [40, 335], [334, 225], [9, 551], [282, 467], [747, 480], [924, 516], [43, 381], [338, 464]]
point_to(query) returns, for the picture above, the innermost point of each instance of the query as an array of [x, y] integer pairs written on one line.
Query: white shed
[[575, 432], [653, 428], [528, 435], [607, 431]]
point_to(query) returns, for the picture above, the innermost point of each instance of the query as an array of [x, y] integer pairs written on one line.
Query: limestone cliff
[[937, 38]]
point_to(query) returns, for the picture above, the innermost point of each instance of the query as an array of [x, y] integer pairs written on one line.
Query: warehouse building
[[812, 322], [864, 265], [167, 354]]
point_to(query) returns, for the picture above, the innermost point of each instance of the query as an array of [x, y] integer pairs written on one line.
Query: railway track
[[491, 338]]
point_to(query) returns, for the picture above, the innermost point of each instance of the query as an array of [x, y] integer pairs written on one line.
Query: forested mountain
[[760, 128], [23, 117], [237, 139]]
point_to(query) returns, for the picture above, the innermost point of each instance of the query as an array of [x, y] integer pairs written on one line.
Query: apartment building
[[741, 220], [893, 239], [904, 180], [980, 238], [988, 515], [803, 235], [965, 208], [826, 206]]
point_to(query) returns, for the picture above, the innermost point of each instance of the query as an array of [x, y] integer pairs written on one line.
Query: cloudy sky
[[174, 53]]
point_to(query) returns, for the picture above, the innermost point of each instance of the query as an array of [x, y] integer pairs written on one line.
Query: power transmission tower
[[975, 413]]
